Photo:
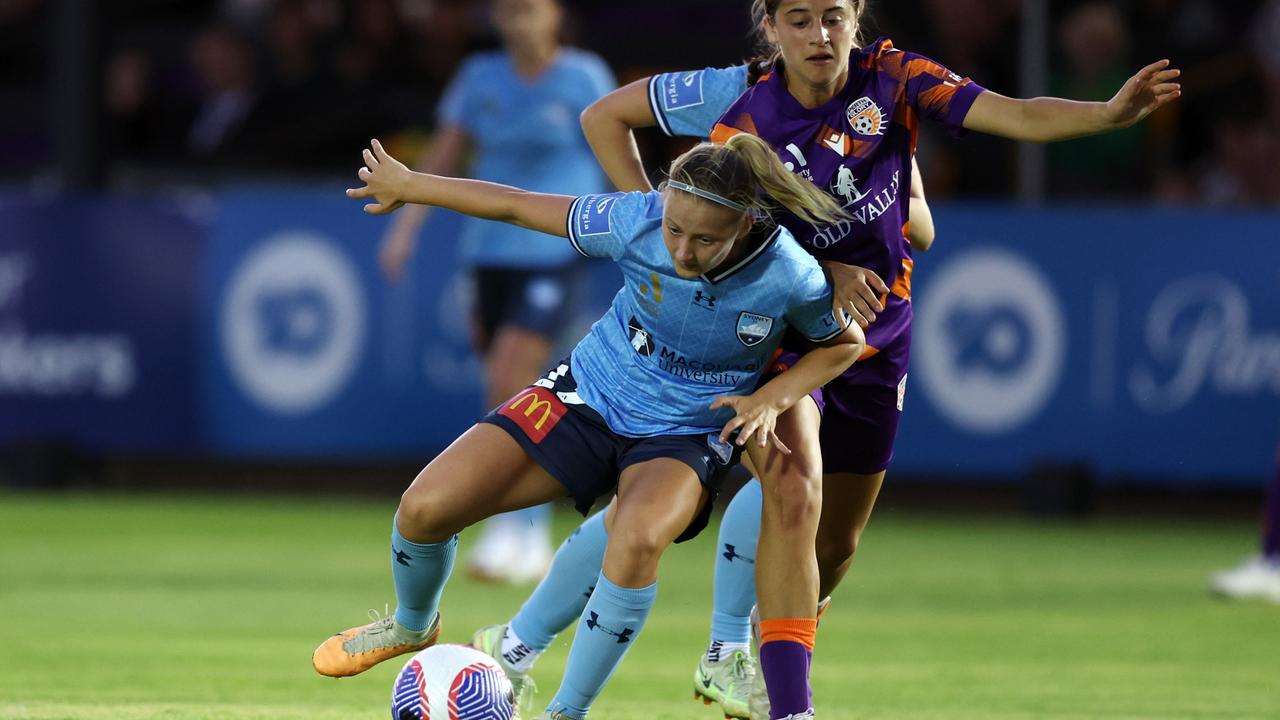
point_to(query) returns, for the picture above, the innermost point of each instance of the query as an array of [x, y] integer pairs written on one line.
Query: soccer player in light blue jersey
[[658, 399], [844, 114], [514, 113]]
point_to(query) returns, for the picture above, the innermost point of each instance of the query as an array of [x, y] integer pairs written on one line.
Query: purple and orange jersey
[[858, 147]]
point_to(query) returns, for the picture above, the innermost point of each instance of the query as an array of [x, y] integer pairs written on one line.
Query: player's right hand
[[384, 178]]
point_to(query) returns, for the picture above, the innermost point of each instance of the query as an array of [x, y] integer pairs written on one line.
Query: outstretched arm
[[608, 124], [443, 158], [1046, 119], [390, 184]]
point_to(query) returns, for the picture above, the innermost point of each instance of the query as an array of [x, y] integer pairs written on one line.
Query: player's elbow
[[922, 238], [595, 118]]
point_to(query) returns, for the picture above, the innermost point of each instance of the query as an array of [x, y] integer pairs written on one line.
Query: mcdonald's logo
[[536, 410]]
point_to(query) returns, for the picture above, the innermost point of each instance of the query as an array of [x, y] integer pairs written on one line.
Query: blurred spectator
[[1095, 43], [224, 64]]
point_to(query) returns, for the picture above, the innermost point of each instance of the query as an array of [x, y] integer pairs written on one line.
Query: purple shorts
[[859, 421]]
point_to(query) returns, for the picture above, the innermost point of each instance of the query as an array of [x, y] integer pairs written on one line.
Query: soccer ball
[[452, 682]]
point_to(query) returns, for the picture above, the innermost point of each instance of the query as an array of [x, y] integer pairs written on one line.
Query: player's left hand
[[384, 178], [856, 291], [754, 417], [1152, 88]]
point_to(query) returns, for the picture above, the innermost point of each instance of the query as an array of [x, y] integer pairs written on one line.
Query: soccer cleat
[[554, 716], [727, 682], [360, 648], [806, 715], [1255, 579], [488, 640], [758, 698]]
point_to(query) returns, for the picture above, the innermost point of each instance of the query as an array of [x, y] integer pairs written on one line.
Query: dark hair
[[768, 56], [744, 166]]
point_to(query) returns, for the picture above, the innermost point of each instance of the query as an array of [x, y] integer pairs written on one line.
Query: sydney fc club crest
[[865, 117], [753, 328]]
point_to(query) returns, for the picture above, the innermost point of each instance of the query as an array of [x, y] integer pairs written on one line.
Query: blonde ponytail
[[801, 197]]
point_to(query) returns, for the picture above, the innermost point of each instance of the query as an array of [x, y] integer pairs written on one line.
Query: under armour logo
[[593, 622], [731, 553], [704, 300], [402, 557]]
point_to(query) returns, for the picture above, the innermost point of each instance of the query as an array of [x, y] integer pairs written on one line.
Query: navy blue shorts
[[537, 300], [573, 443]]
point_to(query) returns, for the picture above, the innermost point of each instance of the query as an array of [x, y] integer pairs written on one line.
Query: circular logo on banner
[[991, 341], [293, 322]]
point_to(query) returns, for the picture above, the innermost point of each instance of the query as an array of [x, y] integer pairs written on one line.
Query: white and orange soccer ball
[[452, 682]]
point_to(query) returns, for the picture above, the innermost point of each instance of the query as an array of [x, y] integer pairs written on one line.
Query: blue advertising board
[[1144, 343], [309, 351], [97, 324]]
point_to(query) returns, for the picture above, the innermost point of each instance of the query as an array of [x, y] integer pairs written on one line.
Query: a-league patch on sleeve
[[593, 215], [681, 90]]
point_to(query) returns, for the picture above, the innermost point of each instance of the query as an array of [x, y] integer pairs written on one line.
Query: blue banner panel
[[97, 324], [1145, 343], [309, 351]]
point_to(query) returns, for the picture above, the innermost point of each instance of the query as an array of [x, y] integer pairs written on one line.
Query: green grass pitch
[[125, 608]]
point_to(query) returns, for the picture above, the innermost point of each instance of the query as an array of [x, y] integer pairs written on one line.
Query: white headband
[[720, 199]]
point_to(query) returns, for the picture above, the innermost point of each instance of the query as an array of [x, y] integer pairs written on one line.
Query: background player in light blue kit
[[651, 400], [514, 111]]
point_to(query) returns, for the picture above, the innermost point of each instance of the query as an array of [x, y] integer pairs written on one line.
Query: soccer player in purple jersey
[[845, 116]]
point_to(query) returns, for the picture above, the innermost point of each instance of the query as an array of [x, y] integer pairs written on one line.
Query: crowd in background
[[206, 88]]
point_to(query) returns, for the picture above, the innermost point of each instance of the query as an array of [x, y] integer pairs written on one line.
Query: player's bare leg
[[483, 472], [786, 566], [848, 500], [657, 500]]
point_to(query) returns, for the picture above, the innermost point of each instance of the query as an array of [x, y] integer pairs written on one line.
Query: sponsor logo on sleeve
[[682, 90], [595, 215]]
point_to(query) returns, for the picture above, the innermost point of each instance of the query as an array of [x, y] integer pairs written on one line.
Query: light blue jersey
[[525, 133], [669, 346], [689, 102]]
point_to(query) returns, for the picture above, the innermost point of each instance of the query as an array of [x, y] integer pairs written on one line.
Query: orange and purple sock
[[786, 649]]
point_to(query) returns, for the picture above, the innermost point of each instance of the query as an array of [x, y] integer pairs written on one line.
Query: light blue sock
[[735, 579], [610, 623], [420, 572], [559, 598]]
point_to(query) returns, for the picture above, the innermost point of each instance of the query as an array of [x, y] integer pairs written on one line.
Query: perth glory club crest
[[865, 117]]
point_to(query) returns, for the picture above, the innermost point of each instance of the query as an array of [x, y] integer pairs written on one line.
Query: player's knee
[[423, 518], [834, 551], [638, 548], [795, 501]]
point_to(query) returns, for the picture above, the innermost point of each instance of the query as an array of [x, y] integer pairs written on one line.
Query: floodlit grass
[[132, 608]]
